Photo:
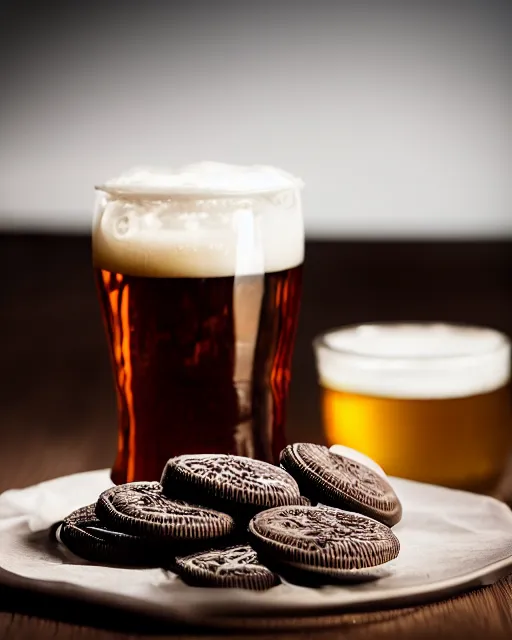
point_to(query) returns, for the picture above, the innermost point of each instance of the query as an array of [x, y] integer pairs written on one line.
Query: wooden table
[[57, 409]]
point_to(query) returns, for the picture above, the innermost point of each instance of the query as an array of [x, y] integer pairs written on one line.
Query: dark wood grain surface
[[57, 408]]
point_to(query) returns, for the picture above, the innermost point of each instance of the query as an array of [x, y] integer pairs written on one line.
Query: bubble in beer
[[123, 225]]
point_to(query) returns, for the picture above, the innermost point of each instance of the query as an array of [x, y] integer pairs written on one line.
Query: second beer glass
[[199, 276], [429, 402]]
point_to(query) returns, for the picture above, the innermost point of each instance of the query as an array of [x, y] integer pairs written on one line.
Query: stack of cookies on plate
[[231, 521]]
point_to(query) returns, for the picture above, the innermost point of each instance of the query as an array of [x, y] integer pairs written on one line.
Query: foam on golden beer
[[415, 361], [202, 220]]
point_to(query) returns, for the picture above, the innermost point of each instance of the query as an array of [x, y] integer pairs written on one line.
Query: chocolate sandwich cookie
[[324, 541], [334, 480], [233, 567], [86, 536], [140, 508], [235, 484]]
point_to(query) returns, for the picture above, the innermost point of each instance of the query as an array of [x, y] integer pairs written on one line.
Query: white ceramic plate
[[451, 541]]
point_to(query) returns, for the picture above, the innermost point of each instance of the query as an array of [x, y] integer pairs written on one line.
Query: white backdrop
[[398, 122]]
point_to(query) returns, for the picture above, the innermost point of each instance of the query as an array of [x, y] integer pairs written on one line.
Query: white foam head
[[202, 220], [413, 360]]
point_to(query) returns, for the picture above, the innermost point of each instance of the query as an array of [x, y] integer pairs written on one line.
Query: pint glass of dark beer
[[199, 279]]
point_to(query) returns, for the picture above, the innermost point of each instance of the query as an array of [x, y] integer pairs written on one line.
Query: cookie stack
[[231, 521]]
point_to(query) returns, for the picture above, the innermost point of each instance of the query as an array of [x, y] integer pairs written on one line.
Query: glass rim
[[160, 195], [320, 342]]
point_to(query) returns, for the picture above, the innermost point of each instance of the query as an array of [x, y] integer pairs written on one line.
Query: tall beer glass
[[199, 278], [429, 402]]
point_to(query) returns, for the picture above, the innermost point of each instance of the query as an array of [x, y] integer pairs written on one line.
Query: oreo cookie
[[334, 480], [322, 541], [235, 484], [234, 567], [89, 538], [141, 509]]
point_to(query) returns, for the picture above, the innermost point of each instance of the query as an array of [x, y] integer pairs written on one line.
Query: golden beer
[[427, 402]]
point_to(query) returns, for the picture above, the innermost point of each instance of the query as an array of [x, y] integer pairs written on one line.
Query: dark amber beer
[[200, 295]]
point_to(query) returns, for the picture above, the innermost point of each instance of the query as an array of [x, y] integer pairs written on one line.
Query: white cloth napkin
[[450, 541]]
